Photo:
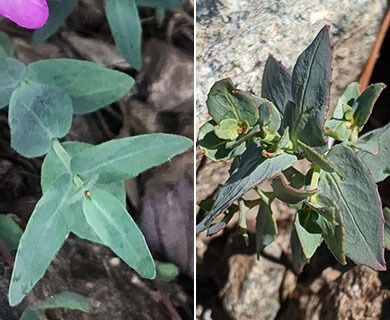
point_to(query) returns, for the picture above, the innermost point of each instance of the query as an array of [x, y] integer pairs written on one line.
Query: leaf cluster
[[336, 200], [83, 185]]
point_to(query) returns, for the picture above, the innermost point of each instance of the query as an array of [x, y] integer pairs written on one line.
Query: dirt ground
[[160, 101]]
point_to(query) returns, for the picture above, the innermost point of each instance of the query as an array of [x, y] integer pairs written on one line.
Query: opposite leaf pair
[[83, 193]]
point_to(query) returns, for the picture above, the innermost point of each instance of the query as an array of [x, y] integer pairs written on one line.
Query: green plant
[[82, 185], [336, 200], [122, 16], [66, 299]]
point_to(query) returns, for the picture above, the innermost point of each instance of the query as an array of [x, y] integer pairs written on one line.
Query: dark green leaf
[[266, 229], [45, 233], [331, 223], [308, 235], [276, 83], [287, 193], [10, 232], [299, 260], [122, 159], [269, 117], [90, 86], [310, 89], [122, 16], [316, 157], [364, 104], [12, 72], [117, 230], [379, 164], [214, 147], [38, 113], [357, 196], [59, 11], [224, 101], [252, 169], [6, 49]]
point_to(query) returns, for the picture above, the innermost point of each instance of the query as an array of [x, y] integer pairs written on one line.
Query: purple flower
[[30, 14]]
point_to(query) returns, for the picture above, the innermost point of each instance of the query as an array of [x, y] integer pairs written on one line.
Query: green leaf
[[10, 232], [6, 48], [227, 129], [166, 271], [117, 230], [53, 167], [65, 299], [59, 11], [38, 113], [308, 236], [379, 163], [224, 101], [348, 97], [331, 223], [214, 147], [266, 229], [338, 129], [357, 196], [317, 158], [386, 213], [125, 158], [365, 102], [287, 193], [299, 260], [90, 86], [12, 72], [122, 16], [269, 117], [45, 233], [160, 3], [252, 169], [310, 89], [368, 142], [276, 83]]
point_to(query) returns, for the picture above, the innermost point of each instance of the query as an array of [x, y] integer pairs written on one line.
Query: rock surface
[[234, 38]]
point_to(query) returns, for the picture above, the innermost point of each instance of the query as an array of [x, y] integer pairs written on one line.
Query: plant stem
[[314, 181]]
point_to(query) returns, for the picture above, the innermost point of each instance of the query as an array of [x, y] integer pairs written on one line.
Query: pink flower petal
[[30, 14]]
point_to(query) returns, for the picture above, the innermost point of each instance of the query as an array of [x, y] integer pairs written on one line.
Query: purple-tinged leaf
[[276, 83], [310, 89], [357, 196], [379, 163], [299, 260], [252, 169], [224, 101], [287, 193], [316, 157]]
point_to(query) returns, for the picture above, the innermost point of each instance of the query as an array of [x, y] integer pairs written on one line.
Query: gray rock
[[252, 291], [234, 38]]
